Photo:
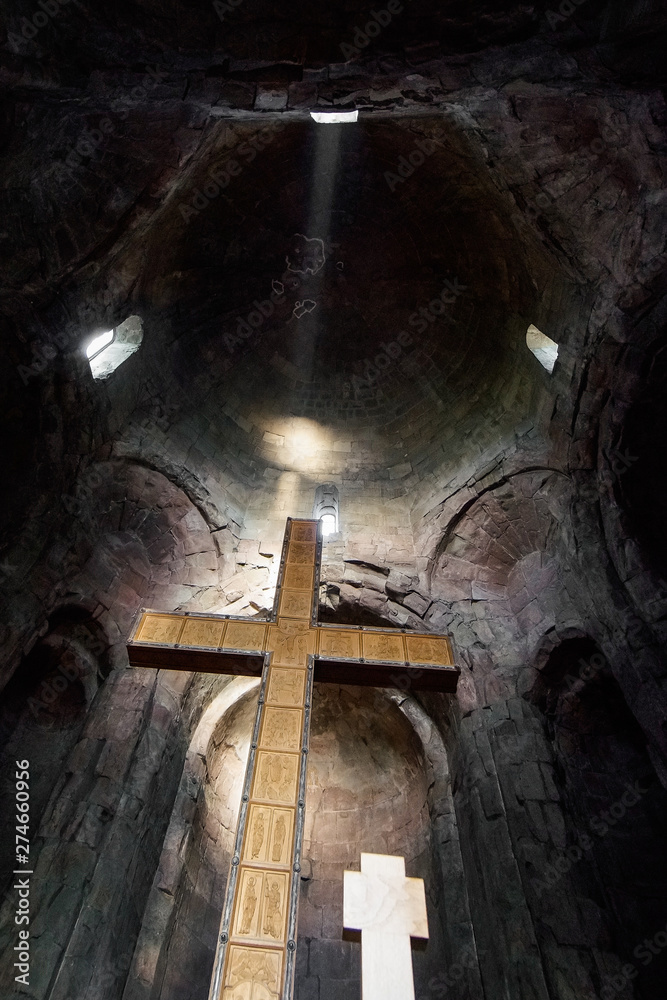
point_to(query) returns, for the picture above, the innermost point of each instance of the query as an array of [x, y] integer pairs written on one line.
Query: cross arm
[[406, 676], [201, 643], [381, 898], [196, 660], [375, 657]]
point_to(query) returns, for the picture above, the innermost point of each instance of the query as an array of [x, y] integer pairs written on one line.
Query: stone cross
[[388, 909], [256, 952]]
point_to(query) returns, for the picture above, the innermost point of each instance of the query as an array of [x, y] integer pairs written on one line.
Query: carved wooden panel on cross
[[256, 952]]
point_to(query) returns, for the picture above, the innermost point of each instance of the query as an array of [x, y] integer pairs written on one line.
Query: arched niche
[[637, 460], [187, 962], [370, 789], [43, 710], [175, 946], [614, 805], [482, 543], [326, 508], [139, 541]]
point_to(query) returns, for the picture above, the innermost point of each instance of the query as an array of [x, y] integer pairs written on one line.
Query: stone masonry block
[[415, 602]]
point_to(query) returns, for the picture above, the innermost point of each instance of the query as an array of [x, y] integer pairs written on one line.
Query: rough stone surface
[[344, 305]]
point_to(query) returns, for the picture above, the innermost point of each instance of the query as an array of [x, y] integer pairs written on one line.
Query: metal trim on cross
[[288, 651]]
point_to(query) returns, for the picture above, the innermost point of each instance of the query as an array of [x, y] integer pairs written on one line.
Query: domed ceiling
[[320, 296], [331, 302]]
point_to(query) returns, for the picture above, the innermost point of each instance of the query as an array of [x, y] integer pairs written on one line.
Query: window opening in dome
[[334, 117], [544, 348], [325, 508], [328, 524], [107, 351]]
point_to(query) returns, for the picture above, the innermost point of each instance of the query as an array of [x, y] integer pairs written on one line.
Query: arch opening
[[326, 508], [368, 789], [614, 805], [44, 707]]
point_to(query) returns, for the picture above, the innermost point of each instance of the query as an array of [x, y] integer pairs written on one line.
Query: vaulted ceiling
[[327, 302]]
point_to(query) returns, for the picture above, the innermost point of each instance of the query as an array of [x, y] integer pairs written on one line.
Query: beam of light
[[306, 441], [322, 183], [334, 117]]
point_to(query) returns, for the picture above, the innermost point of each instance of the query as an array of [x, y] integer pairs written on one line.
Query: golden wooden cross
[[257, 946]]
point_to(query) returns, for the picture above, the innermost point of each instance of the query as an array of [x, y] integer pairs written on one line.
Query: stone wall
[[520, 511], [100, 838]]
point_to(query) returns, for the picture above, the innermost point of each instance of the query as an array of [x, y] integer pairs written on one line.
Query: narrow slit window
[[334, 117], [325, 508], [107, 351], [544, 348], [328, 524]]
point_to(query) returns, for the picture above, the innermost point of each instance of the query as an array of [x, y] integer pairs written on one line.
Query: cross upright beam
[[257, 945]]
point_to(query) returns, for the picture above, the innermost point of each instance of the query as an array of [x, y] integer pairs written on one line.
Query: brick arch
[[486, 540], [185, 903], [404, 773], [497, 582], [43, 712], [630, 464], [145, 542], [614, 806]]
